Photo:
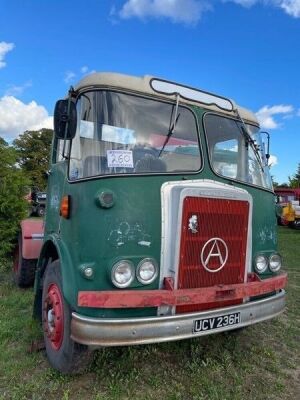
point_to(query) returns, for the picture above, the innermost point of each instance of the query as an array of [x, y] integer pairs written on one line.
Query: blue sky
[[248, 50]]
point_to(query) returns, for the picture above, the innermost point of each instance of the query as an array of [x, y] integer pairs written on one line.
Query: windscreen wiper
[[249, 139], [172, 125]]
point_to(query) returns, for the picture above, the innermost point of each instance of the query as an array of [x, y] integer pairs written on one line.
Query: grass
[[260, 362]]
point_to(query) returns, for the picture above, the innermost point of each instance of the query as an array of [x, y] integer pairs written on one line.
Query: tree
[[282, 185], [294, 181], [275, 184], [13, 207], [33, 151]]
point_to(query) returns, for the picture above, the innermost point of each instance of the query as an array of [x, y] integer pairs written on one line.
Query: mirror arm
[[268, 145], [70, 95]]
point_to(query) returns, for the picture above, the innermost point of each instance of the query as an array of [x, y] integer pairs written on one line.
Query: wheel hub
[[53, 321]]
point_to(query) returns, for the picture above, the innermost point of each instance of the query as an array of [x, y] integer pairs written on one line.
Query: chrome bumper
[[98, 332]]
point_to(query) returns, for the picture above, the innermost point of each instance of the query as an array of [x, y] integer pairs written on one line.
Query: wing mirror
[[65, 119]]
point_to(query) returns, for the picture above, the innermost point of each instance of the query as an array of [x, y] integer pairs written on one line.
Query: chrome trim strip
[[37, 236], [98, 332]]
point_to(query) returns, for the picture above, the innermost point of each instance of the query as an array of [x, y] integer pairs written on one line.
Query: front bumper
[[97, 332]]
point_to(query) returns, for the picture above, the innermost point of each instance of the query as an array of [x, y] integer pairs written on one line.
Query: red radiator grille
[[220, 224]]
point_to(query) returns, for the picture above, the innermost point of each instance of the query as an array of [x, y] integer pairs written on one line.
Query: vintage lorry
[[160, 221]]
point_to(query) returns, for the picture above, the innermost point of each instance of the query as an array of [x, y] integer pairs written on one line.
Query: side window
[[225, 158], [59, 149], [59, 144]]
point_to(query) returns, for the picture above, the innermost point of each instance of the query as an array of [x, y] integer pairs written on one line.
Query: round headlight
[[275, 262], [122, 274], [261, 263], [146, 271]]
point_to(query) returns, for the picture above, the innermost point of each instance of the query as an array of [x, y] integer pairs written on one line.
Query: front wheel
[[63, 353]]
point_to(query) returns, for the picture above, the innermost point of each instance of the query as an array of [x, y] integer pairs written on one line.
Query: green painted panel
[[131, 229]]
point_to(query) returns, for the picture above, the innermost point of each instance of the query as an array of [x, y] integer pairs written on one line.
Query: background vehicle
[[27, 251], [160, 220], [38, 203], [288, 200]]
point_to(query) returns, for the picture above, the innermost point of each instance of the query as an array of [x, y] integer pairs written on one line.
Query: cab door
[[56, 184]]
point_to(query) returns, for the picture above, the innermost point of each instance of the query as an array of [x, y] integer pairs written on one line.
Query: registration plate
[[207, 324]]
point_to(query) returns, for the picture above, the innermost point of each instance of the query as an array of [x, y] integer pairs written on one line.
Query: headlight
[[146, 271], [275, 262], [122, 274], [261, 263]]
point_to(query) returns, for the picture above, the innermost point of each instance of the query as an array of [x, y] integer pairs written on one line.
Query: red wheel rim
[[53, 316]]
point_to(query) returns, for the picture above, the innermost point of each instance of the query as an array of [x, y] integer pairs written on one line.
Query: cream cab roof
[[143, 85]]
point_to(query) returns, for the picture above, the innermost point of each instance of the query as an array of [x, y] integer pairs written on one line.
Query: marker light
[[261, 263], [275, 262], [65, 206], [147, 271], [122, 274]]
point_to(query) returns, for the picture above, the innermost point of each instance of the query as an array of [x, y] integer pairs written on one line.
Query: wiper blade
[[254, 146], [249, 140], [248, 137], [172, 126]]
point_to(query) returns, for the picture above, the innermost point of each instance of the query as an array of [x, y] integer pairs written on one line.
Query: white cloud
[[244, 3], [273, 160], [178, 11], [4, 48], [17, 90], [266, 114], [290, 7], [189, 12], [17, 117], [69, 76], [84, 69]]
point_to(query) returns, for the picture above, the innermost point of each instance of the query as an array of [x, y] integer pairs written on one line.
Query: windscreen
[[120, 133], [234, 153]]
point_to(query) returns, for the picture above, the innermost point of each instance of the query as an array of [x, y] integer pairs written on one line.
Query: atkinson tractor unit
[[160, 220]]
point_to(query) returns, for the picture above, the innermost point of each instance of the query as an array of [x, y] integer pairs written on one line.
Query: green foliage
[[283, 185], [275, 184], [33, 151], [294, 181], [13, 186]]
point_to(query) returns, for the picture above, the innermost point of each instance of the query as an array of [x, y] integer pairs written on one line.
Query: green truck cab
[[160, 221]]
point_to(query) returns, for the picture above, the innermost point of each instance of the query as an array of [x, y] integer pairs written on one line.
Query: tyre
[[40, 211], [63, 353], [23, 269], [296, 224], [281, 221]]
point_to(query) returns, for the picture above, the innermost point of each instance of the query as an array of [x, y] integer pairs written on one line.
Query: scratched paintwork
[[159, 298], [125, 232]]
